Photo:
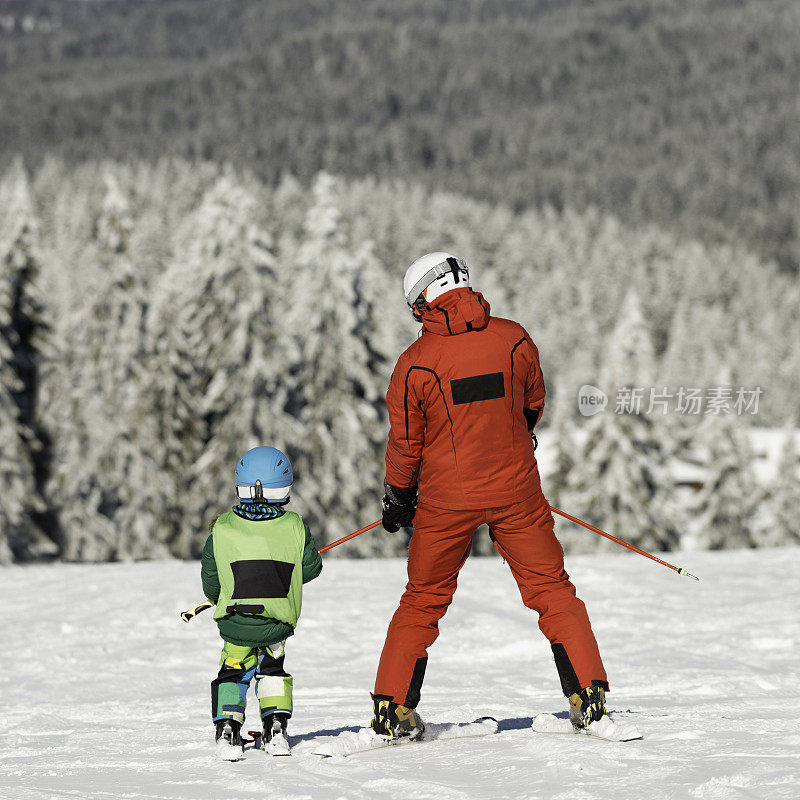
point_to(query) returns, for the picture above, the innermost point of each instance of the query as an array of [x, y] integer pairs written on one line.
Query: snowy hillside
[[106, 691]]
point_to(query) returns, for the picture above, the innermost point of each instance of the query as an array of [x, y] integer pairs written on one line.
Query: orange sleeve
[[407, 428], [534, 388]]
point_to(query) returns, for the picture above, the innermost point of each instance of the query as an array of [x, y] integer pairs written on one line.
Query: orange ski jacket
[[462, 402]]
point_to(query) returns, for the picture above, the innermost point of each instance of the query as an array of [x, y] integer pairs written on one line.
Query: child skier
[[254, 565]]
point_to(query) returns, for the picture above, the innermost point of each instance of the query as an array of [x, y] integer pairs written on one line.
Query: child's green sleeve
[[208, 571], [312, 560]]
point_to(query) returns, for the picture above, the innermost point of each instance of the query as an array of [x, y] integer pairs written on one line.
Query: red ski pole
[[679, 570], [350, 536]]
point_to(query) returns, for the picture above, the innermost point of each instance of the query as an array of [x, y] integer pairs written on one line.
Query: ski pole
[[350, 536], [679, 570], [189, 614]]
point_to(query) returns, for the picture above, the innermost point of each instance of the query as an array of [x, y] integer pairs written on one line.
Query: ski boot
[[395, 721], [229, 740], [275, 741], [587, 712], [587, 707]]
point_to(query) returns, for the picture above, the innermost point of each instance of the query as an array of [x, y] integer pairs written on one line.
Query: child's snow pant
[[239, 665], [523, 535]]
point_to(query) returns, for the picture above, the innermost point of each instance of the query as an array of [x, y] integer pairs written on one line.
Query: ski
[[225, 751], [275, 742], [229, 744], [349, 743], [612, 730], [278, 745]]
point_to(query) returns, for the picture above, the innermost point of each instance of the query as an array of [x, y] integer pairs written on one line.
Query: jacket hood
[[457, 311]]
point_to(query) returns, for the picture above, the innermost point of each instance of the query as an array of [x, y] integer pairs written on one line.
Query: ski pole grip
[[191, 613]]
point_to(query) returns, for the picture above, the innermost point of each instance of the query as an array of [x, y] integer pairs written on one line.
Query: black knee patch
[[228, 675], [272, 666]]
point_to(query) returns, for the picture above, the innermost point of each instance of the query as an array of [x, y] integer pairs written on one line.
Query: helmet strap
[[418, 307], [453, 262]]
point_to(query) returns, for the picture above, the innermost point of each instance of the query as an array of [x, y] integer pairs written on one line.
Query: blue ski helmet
[[264, 474]]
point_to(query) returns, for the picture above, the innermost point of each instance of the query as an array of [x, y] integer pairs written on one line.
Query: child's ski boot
[[229, 740], [275, 741], [396, 721]]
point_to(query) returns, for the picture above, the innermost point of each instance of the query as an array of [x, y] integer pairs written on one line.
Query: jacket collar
[[456, 311]]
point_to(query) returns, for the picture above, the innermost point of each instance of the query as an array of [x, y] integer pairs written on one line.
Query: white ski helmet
[[430, 277]]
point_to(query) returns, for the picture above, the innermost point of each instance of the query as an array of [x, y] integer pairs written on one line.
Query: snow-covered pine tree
[[560, 279], [219, 363], [696, 346], [726, 510], [72, 204], [619, 480], [104, 481], [381, 325], [335, 392], [561, 433], [163, 195], [24, 444], [781, 525]]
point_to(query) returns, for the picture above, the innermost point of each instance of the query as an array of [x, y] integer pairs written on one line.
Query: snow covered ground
[[105, 691]]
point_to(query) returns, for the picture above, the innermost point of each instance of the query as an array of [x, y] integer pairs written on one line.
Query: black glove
[[399, 506]]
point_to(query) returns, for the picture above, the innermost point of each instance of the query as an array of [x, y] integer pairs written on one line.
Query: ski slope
[[106, 691]]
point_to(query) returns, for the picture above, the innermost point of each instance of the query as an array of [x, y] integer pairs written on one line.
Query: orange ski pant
[[523, 535]]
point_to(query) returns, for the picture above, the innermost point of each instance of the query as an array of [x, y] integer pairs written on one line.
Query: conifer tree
[[620, 481], [334, 387], [566, 449], [219, 357], [24, 444], [782, 523], [726, 510], [101, 480], [17, 484]]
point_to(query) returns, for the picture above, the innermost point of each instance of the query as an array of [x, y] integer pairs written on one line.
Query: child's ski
[[612, 730], [349, 743], [277, 744], [225, 751]]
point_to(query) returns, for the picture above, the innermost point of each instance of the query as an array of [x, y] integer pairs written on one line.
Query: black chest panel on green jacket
[[261, 578]]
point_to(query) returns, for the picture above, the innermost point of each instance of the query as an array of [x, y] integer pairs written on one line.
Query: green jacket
[[245, 629]]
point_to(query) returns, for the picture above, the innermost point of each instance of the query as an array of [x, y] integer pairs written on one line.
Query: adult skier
[[254, 565], [463, 403]]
